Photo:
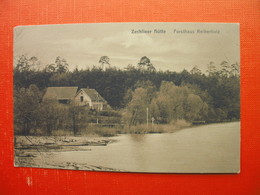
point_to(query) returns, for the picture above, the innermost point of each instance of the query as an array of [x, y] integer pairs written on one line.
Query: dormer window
[[81, 98]]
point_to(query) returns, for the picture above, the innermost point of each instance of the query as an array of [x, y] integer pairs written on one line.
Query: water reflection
[[210, 148], [138, 137]]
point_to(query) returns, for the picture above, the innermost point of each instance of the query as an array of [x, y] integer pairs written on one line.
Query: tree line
[[191, 95]]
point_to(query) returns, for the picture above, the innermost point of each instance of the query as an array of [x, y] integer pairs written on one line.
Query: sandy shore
[[37, 151]]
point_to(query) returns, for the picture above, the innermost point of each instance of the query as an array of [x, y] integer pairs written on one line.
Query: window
[[64, 101], [81, 98]]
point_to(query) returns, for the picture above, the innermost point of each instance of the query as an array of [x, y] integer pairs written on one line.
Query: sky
[[82, 45]]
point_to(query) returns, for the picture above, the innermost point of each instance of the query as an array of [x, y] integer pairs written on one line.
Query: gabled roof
[[60, 93], [94, 95]]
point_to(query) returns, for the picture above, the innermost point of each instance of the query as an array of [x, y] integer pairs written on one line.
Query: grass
[[157, 128], [109, 132], [137, 129], [100, 131]]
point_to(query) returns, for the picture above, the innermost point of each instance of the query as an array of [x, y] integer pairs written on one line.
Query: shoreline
[[37, 151]]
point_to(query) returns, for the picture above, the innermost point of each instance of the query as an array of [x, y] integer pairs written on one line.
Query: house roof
[[94, 95], [60, 93]]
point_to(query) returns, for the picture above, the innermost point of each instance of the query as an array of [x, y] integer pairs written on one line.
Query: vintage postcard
[[128, 97]]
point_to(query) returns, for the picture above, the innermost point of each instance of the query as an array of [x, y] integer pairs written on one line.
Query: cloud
[[83, 44]]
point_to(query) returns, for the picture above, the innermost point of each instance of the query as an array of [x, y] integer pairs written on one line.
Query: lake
[[213, 148]]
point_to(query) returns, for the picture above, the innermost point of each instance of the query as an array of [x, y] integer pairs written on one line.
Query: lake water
[[211, 148]]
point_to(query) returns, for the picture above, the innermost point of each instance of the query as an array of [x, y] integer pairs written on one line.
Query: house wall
[[98, 105], [86, 99]]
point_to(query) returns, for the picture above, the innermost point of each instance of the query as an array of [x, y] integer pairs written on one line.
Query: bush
[[109, 113], [180, 123]]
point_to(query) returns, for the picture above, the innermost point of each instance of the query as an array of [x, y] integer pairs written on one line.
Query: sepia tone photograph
[[128, 97]]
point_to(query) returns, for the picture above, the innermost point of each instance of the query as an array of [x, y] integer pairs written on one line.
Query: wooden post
[[147, 117]]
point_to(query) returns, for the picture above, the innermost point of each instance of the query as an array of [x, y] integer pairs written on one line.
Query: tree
[[150, 89], [60, 66], [77, 117], [221, 94], [136, 109], [225, 69], [26, 109], [34, 63], [235, 70], [195, 108], [63, 79], [127, 97], [26, 64], [195, 70], [50, 68], [53, 116], [104, 60], [146, 65], [130, 67], [211, 69], [177, 102], [169, 102]]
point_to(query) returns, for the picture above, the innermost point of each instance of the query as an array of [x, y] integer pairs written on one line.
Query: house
[[90, 98], [63, 95], [84, 97]]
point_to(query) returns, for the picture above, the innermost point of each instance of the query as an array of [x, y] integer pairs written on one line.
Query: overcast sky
[[83, 44]]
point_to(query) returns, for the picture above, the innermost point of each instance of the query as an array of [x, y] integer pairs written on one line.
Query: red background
[[26, 12]]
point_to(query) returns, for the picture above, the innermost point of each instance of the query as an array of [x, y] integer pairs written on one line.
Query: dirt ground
[[37, 151]]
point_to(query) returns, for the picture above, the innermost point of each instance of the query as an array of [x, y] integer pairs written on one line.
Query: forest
[[213, 96]]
